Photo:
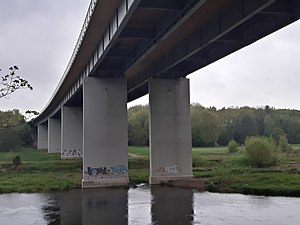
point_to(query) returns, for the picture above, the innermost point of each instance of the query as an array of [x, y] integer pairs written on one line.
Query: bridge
[[128, 48]]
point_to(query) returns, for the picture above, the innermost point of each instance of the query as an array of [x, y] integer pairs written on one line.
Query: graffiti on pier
[[96, 171], [168, 169], [119, 170], [73, 153], [106, 172]]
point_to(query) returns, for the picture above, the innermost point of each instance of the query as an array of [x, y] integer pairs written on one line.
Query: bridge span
[[128, 48]]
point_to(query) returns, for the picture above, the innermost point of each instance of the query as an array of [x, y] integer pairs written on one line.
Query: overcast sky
[[39, 36]]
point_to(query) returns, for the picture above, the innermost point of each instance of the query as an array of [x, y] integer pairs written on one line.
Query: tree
[[138, 125], [269, 125], [11, 118], [229, 123], [11, 82], [14, 131], [205, 126], [246, 127]]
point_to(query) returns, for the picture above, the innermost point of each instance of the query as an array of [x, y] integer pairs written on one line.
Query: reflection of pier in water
[[164, 205], [144, 206], [171, 206], [104, 206]]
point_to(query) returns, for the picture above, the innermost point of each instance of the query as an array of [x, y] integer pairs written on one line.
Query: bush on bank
[[261, 151], [232, 146], [284, 145]]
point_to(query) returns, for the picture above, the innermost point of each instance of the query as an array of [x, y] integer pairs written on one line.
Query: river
[[144, 205]]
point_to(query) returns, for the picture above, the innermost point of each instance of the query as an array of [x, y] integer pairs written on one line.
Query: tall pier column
[[42, 136], [170, 130], [105, 139], [71, 132], [54, 137]]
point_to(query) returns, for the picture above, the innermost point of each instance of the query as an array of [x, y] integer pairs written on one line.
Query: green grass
[[28, 154], [267, 183], [295, 146], [230, 172], [39, 172], [139, 151], [226, 172]]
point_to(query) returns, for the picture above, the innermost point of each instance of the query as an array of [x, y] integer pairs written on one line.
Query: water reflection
[[144, 206], [91, 206], [51, 209], [104, 206], [139, 206], [172, 206], [63, 208]]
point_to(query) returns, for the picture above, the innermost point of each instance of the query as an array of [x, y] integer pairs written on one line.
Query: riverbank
[[231, 173], [222, 171]]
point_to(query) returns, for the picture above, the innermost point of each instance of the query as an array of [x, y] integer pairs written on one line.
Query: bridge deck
[[144, 39]]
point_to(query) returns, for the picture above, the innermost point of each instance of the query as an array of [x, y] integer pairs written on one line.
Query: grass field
[[39, 172], [226, 172], [231, 173]]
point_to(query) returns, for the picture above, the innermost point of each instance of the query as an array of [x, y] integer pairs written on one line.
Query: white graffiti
[[74, 153], [168, 169]]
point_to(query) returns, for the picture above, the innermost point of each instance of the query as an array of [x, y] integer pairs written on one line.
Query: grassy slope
[[227, 172]]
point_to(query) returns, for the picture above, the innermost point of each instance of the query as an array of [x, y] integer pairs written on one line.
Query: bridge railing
[[80, 39], [76, 49]]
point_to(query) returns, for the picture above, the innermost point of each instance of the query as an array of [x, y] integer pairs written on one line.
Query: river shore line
[[214, 170]]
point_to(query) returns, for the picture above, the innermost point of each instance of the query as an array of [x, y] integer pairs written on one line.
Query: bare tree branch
[[11, 82]]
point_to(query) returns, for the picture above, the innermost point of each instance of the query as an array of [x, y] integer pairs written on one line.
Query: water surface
[[142, 205]]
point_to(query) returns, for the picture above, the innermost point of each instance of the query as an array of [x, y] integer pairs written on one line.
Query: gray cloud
[[39, 37], [264, 73]]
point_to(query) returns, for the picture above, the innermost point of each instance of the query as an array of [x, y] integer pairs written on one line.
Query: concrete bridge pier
[[71, 132], [170, 130], [105, 151], [42, 136], [54, 137]]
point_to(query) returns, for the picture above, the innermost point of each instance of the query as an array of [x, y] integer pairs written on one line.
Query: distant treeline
[[209, 126], [217, 127]]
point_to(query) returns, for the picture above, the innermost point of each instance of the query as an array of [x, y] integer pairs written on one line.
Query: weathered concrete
[[105, 159], [199, 184], [71, 132], [54, 135], [42, 137], [170, 130]]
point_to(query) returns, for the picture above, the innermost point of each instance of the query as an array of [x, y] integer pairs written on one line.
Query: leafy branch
[[12, 82]]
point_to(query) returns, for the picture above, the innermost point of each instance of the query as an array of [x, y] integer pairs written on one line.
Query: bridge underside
[[149, 46], [171, 39]]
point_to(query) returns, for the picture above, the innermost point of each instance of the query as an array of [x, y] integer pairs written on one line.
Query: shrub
[[232, 146], [17, 160], [260, 151], [284, 145]]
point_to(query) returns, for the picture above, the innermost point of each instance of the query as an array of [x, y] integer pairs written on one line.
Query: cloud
[[265, 72], [39, 37]]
